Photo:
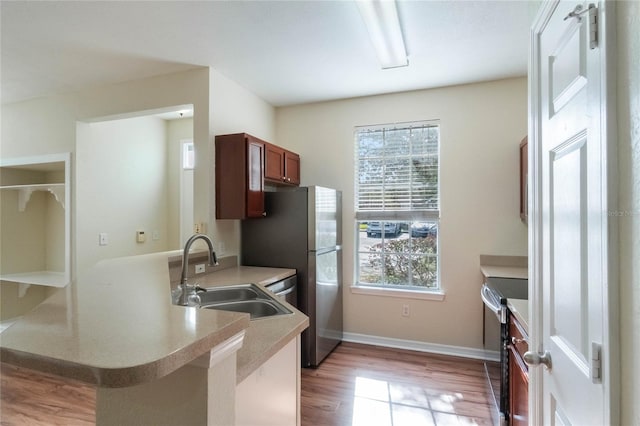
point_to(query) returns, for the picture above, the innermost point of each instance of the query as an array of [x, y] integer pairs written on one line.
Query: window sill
[[437, 295]]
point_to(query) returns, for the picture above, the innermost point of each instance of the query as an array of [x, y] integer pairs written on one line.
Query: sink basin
[[247, 298], [255, 308], [227, 294]]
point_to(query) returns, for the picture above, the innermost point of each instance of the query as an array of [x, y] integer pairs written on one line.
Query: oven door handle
[[491, 301]]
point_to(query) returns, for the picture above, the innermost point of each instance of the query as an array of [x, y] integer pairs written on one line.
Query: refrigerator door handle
[[325, 250]]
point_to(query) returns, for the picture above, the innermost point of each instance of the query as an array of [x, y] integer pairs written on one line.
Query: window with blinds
[[397, 205]]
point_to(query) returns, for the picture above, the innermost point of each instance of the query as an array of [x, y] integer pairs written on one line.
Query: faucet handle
[[176, 294], [193, 299]]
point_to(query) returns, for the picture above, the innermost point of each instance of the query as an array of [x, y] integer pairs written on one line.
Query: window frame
[[397, 215]]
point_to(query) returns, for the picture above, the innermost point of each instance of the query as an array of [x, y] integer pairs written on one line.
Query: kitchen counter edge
[[520, 309], [262, 338], [265, 336]]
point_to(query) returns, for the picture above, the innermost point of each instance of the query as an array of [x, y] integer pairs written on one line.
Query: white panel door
[[571, 223]]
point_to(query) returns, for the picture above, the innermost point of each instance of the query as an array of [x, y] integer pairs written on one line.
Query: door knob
[[534, 358]]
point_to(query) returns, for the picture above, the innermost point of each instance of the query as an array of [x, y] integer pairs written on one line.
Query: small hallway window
[[188, 156]]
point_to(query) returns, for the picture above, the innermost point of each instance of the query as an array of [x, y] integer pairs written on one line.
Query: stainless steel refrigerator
[[303, 230]]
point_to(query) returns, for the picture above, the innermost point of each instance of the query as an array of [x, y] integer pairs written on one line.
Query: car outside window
[[397, 206]]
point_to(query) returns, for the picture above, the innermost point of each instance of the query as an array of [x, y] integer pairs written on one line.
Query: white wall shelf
[[25, 191], [46, 278], [39, 232]]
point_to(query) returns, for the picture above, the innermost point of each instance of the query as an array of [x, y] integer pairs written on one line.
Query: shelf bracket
[[22, 289], [24, 195], [58, 193]]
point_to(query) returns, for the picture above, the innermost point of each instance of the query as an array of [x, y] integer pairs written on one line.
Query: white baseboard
[[414, 345]]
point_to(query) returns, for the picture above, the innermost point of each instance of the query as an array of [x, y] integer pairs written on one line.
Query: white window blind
[[397, 171]]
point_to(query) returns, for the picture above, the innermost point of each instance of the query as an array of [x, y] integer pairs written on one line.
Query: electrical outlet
[[200, 268], [405, 310], [200, 228]]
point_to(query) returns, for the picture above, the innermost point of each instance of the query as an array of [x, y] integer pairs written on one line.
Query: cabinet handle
[[288, 179], [264, 214], [515, 341]]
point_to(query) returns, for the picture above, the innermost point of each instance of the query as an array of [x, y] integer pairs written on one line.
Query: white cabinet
[[36, 220], [270, 396]]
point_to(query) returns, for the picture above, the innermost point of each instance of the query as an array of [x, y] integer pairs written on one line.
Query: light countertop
[[492, 271], [520, 309], [504, 267], [116, 326], [265, 336]]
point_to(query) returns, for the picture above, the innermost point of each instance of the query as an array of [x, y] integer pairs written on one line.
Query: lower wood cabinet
[[518, 374]]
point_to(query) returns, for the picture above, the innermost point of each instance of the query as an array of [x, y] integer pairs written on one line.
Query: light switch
[[103, 239]]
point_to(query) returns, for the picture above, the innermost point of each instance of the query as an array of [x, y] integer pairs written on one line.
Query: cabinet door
[[274, 163], [281, 167], [292, 168], [255, 186], [518, 374], [518, 392], [270, 396], [239, 184]]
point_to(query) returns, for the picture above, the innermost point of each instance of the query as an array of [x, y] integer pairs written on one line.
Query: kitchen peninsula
[[117, 330]]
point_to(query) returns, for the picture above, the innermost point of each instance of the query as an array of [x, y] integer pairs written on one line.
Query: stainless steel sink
[[255, 308], [247, 298], [227, 294]]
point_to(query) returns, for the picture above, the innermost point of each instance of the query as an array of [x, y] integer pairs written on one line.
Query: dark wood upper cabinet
[[273, 163], [524, 174], [239, 176], [244, 164], [282, 167], [292, 167]]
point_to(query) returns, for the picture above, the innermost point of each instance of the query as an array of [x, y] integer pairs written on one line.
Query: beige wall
[[122, 187], [628, 28], [481, 127], [48, 125]]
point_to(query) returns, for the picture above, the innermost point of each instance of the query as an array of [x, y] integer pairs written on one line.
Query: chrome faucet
[[187, 290]]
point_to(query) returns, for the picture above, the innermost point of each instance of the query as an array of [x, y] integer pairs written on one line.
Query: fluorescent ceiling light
[[381, 19]]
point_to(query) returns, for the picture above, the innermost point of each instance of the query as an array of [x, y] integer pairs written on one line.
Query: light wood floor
[[357, 385], [360, 385], [39, 399]]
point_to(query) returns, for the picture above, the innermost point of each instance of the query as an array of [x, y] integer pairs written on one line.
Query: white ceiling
[[286, 52]]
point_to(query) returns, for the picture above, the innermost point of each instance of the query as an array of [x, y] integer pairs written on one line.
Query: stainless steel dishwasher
[[286, 290]]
